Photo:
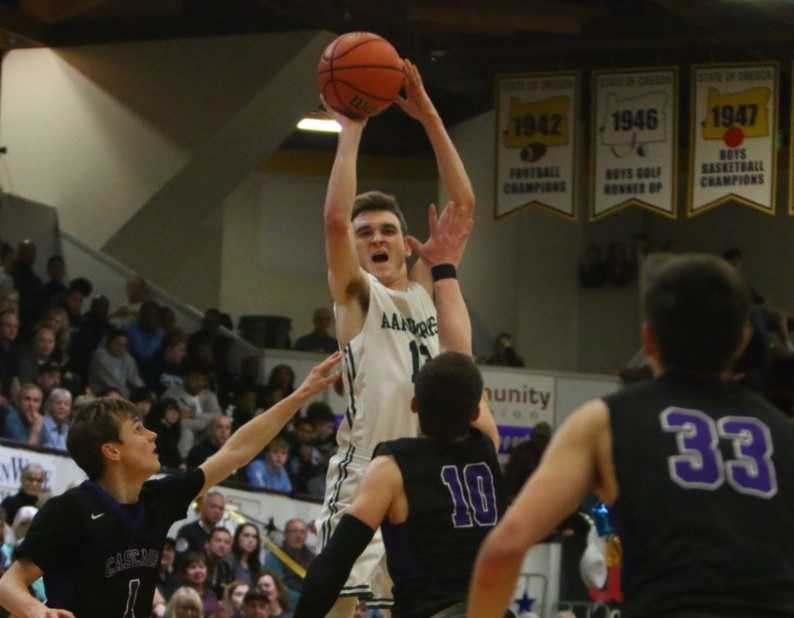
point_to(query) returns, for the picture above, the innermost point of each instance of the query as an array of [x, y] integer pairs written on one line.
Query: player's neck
[[124, 490], [399, 284]]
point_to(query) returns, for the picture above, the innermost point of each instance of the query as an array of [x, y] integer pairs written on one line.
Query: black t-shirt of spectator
[[101, 558]]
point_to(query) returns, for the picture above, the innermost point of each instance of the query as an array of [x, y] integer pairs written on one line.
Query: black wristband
[[443, 271]]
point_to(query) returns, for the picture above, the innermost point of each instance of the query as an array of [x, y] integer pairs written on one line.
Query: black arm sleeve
[[329, 571]]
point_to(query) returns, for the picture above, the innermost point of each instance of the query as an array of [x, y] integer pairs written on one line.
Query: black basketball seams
[[363, 66], [360, 91], [361, 44], [348, 111]]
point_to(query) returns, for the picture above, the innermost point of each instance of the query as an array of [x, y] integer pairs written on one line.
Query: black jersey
[[455, 497], [100, 558], [706, 499]]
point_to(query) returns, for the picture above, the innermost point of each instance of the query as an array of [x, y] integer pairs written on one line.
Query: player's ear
[[110, 451], [414, 408]]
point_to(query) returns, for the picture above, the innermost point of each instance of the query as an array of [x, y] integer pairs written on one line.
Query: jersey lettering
[[478, 504], [699, 463]]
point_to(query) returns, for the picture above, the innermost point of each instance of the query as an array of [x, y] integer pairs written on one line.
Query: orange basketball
[[360, 74]]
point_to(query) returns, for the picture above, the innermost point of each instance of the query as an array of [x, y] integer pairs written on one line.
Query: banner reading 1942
[[734, 127], [635, 140], [536, 142]]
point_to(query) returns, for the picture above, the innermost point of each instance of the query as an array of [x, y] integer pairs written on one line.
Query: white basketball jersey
[[399, 335]]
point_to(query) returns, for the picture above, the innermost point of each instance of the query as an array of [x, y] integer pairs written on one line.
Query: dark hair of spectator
[[254, 566], [273, 378], [110, 391], [373, 201], [174, 337], [55, 259], [732, 255], [95, 423], [448, 389], [697, 307], [189, 559], [194, 367], [141, 393], [5, 250], [115, 333], [48, 368], [283, 597], [219, 529], [303, 420], [158, 410], [320, 412], [82, 285], [170, 542]]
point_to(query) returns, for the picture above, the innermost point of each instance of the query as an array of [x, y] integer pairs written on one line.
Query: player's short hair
[[697, 306], [95, 423], [448, 389], [372, 201]]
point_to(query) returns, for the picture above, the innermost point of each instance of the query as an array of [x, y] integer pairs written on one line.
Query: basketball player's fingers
[[416, 246], [329, 363], [432, 218]]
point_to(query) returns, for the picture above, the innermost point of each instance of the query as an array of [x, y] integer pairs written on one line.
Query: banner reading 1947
[[536, 142], [635, 140], [734, 127]]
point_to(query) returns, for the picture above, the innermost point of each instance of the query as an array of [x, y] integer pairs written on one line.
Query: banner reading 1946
[[536, 142], [634, 140], [734, 127]]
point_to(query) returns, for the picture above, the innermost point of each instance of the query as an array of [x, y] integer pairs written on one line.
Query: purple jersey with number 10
[[705, 475]]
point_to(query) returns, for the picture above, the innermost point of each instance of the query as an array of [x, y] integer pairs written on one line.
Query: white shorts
[[369, 578]]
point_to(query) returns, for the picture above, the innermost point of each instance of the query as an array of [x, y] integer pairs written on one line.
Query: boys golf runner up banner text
[[635, 140], [536, 142], [734, 128]]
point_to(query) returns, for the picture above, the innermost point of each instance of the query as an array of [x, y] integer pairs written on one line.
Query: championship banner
[[518, 401], [734, 130], [536, 142], [634, 140]]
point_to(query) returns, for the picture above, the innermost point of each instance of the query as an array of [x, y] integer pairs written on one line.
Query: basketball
[[360, 74]]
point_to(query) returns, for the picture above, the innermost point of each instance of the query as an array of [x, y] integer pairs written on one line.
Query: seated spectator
[[218, 431], [211, 348], [504, 354], [39, 352], [167, 319], [255, 605], [145, 335], [168, 368], [525, 458], [245, 407], [233, 597], [93, 329], [244, 559], [282, 377], [31, 491], [270, 584], [192, 571], [194, 536], [48, 377], [320, 339], [143, 399], [53, 291], [184, 603], [113, 367], [137, 292], [73, 303], [28, 284], [7, 259], [269, 472], [295, 547], [321, 414], [57, 319], [219, 571], [9, 363], [24, 423], [167, 581], [57, 416], [165, 421], [305, 466], [197, 404]]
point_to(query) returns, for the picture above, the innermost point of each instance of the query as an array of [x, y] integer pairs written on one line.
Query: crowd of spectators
[[55, 353]]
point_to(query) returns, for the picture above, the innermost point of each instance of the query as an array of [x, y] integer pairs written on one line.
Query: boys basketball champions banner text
[[734, 129], [536, 142]]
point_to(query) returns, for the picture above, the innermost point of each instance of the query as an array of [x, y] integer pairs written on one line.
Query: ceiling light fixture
[[319, 122]]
